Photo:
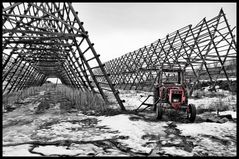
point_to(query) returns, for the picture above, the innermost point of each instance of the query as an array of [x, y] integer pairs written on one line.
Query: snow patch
[[74, 150], [205, 102], [134, 129], [214, 129], [42, 92], [175, 151], [21, 150], [232, 113]]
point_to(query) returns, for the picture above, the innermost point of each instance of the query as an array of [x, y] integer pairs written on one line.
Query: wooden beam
[[43, 10], [11, 6], [4, 31]]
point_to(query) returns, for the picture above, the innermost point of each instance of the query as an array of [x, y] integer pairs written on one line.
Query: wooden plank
[[4, 31]]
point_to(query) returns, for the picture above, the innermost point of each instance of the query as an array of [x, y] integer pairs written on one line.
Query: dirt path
[[47, 125]]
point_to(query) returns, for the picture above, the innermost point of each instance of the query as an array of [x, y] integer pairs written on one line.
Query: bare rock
[[90, 112], [223, 120], [228, 116], [172, 124], [213, 119], [135, 118], [200, 119], [11, 107], [42, 107]]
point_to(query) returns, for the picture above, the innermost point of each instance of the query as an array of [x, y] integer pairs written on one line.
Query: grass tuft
[[82, 100]]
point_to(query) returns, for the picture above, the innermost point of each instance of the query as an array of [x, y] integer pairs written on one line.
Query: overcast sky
[[120, 28]]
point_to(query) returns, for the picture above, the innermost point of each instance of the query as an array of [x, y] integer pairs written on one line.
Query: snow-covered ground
[[221, 79], [134, 129], [54, 133], [134, 98], [212, 138]]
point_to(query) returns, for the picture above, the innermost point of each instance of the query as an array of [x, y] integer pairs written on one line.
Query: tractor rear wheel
[[159, 111], [191, 114]]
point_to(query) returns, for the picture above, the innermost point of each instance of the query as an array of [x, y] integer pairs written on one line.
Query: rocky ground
[[43, 125]]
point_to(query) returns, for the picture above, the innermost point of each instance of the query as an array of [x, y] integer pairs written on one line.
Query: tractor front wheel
[[191, 113], [159, 111]]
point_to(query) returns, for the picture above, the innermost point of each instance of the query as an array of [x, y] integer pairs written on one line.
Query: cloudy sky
[[120, 28]]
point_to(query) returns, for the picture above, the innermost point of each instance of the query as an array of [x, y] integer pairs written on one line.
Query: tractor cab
[[171, 76]]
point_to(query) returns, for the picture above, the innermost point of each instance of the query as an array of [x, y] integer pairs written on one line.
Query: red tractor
[[170, 93]]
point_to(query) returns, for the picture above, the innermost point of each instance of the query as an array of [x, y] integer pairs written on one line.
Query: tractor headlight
[[176, 100]]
